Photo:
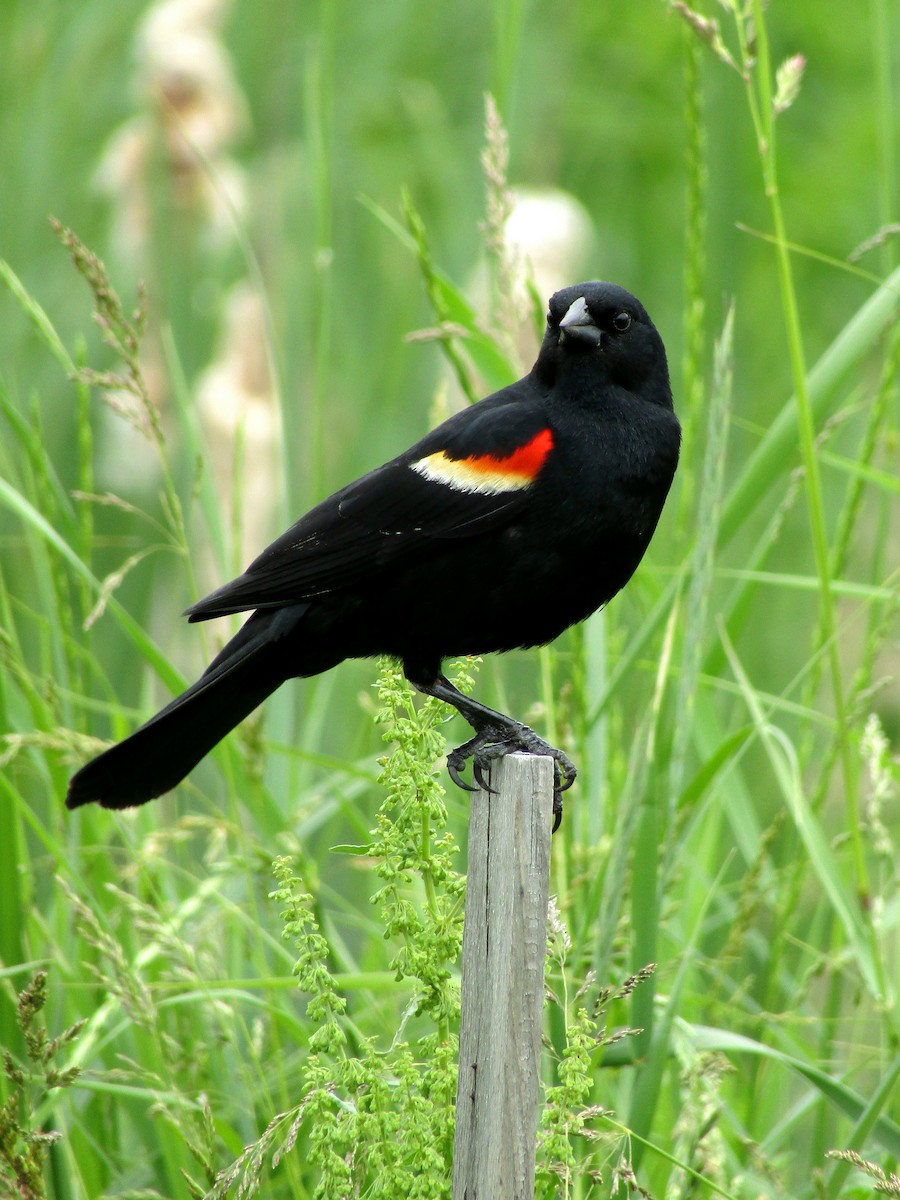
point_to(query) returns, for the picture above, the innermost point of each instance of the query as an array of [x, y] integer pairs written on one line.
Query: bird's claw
[[478, 769], [557, 811], [490, 743], [456, 763]]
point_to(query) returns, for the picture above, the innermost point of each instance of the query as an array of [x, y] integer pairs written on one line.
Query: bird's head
[[601, 332]]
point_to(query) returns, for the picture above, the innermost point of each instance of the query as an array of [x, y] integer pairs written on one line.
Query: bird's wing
[[471, 474]]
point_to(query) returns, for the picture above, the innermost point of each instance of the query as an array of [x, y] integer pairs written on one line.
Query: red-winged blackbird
[[509, 522]]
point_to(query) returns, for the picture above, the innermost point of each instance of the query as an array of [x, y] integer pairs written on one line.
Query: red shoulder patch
[[526, 461], [489, 473]]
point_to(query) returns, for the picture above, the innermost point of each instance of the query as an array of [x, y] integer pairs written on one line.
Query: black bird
[[508, 523]]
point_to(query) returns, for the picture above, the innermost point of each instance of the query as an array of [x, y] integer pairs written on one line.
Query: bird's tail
[[157, 756]]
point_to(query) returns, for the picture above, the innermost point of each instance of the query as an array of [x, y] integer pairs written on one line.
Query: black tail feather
[[162, 752]]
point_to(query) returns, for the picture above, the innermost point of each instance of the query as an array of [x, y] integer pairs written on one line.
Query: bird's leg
[[495, 735]]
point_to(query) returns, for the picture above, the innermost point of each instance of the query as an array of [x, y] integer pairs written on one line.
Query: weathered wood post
[[504, 942]]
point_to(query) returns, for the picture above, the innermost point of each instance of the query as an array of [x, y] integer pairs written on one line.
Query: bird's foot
[[492, 742]]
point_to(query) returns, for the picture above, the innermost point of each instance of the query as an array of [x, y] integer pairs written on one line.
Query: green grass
[[735, 714]]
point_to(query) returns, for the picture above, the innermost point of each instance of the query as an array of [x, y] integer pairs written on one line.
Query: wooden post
[[504, 942]]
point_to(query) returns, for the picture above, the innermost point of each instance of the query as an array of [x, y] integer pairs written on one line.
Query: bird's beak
[[578, 325]]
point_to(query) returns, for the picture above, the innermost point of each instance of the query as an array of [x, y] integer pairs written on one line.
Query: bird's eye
[[549, 318], [621, 321]]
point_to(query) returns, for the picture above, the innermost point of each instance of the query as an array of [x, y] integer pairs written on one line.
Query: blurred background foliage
[[247, 162], [302, 111]]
